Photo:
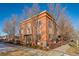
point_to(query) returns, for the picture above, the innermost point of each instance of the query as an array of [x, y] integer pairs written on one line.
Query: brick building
[[38, 30]]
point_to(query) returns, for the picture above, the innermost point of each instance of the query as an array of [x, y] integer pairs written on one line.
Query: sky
[[7, 9]]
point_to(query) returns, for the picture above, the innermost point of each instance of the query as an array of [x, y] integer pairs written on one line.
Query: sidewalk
[[62, 48]]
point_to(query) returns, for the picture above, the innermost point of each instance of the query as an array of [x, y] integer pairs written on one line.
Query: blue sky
[[6, 10]]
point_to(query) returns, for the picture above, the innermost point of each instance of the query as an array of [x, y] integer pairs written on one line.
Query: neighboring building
[[38, 30], [3, 38]]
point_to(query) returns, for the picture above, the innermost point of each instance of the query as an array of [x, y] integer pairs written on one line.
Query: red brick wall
[[44, 17]]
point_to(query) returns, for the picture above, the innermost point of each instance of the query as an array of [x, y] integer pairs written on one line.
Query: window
[[21, 31], [38, 23], [50, 36], [51, 27], [49, 24], [28, 29]]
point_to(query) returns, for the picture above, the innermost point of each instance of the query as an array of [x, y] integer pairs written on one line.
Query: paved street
[[4, 47]]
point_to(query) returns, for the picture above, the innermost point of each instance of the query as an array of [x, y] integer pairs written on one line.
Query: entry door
[[28, 39]]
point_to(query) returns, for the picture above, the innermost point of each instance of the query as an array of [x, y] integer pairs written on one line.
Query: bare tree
[[6, 27], [35, 8], [30, 11], [65, 26], [51, 8], [10, 27], [62, 20], [54, 10]]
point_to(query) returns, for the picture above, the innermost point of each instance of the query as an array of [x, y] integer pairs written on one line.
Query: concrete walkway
[[63, 49]]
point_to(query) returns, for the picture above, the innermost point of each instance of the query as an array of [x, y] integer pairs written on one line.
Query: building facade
[[38, 30]]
